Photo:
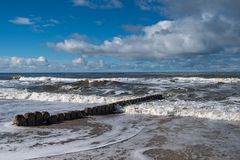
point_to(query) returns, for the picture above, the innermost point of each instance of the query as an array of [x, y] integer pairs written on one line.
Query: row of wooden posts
[[44, 118]]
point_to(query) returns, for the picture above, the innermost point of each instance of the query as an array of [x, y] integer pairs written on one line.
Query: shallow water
[[168, 138], [209, 96]]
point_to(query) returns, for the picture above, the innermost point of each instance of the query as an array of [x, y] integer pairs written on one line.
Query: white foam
[[121, 131], [235, 99], [9, 108], [46, 96], [54, 79], [210, 110], [57, 79], [207, 80], [140, 80]]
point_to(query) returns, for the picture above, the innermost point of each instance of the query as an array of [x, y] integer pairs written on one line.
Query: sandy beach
[[168, 138]]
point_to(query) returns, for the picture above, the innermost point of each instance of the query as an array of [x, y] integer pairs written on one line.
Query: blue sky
[[119, 35]]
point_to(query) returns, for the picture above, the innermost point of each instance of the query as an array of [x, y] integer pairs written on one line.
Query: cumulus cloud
[[38, 24], [196, 27], [166, 38], [20, 64], [87, 64], [17, 61], [21, 21], [79, 61], [42, 60], [39, 64], [101, 4]]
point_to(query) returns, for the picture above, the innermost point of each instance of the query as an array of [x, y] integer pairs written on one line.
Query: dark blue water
[[6, 76]]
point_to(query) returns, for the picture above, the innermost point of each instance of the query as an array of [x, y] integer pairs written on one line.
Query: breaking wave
[[58, 79], [185, 96], [55, 97], [141, 80], [207, 80], [211, 110]]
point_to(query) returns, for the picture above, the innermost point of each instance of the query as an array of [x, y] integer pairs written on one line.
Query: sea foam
[[210, 110], [34, 145], [56, 97], [140, 80]]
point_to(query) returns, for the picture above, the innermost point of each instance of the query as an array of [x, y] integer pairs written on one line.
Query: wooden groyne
[[44, 118]]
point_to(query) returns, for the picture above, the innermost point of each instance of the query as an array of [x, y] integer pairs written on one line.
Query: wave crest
[[45, 96], [212, 110]]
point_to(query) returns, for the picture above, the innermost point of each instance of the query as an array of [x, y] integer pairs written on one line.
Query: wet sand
[[168, 138]]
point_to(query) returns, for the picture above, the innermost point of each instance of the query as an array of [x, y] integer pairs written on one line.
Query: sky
[[119, 36]]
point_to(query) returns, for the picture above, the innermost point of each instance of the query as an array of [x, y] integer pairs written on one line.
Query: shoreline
[[168, 138]]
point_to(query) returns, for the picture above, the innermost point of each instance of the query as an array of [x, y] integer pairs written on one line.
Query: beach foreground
[[168, 138]]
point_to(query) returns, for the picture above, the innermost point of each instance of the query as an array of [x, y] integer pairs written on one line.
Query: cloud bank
[[42, 64], [19, 64], [194, 28], [213, 62], [18, 61]]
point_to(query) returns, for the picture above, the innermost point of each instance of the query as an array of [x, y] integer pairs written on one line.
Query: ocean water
[[205, 95], [213, 96]]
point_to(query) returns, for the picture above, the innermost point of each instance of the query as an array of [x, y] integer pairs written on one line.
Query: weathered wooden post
[[67, 116], [60, 117], [53, 119], [19, 120], [46, 116], [30, 117], [38, 118]]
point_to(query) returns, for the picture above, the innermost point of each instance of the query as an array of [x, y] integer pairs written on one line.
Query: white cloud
[[41, 64], [20, 64], [94, 64], [18, 61], [203, 32], [101, 4], [21, 21], [79, 61], [37, 23], [166, 38], [54, 21], [41, 60]]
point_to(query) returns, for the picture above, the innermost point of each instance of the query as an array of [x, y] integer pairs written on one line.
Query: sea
[[211, 96]]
